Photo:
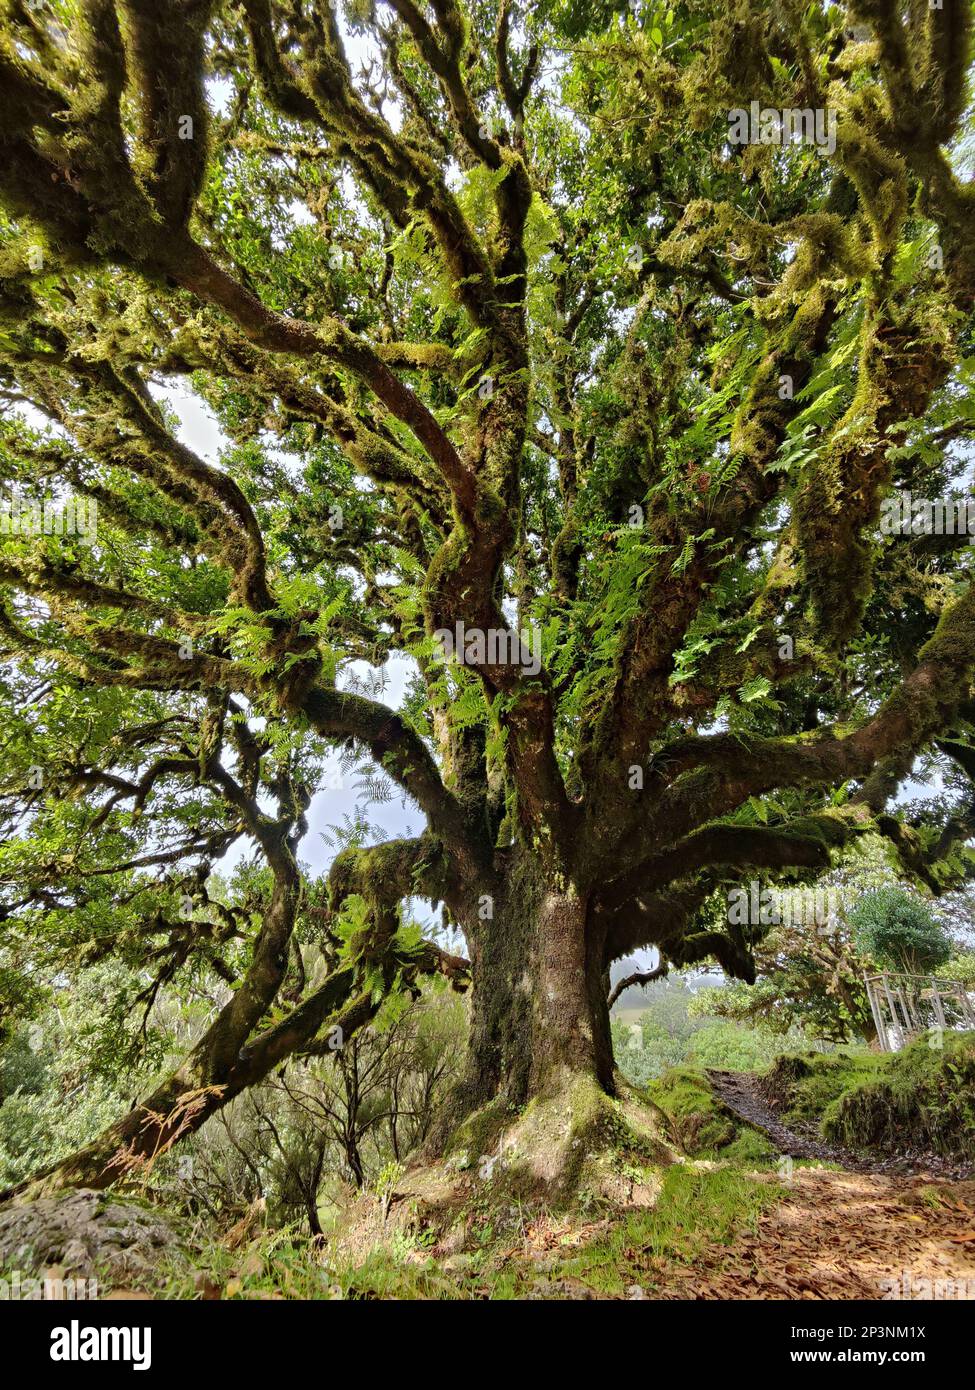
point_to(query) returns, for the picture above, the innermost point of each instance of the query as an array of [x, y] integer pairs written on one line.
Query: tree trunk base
[[575, 1148], [573, 1139]]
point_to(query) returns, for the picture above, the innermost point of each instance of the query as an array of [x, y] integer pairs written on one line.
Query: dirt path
[[843, 1236], [899, 1227], [741, 1093]]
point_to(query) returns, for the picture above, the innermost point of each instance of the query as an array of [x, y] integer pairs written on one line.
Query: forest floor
[[900, 1226], [774, 1211], [712, 1231], [843, 1235], [707, 1230], [830, 1223]]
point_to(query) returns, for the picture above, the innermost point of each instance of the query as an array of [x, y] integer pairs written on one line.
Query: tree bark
[[539, 1015]]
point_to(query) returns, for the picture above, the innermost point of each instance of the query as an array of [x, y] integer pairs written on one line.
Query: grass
[[923, 1096], [806, 1085], [550, 1257], [700, 1124], [697, 1206]]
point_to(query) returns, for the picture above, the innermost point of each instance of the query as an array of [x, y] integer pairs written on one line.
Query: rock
[[454, 1241], [456, 1262], [90, 1234], [563, 1289]]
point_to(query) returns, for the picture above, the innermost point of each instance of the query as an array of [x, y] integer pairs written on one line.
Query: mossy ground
[[701, 1125], [588, 1197], [511, 1252], [920, 1098]]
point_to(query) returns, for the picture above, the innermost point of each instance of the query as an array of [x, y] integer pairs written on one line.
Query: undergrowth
[[540, 1255]]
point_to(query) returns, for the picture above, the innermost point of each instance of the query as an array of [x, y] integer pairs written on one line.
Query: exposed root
[[576, 1148]]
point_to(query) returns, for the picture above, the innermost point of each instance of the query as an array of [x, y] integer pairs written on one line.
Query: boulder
[[86, 1234]]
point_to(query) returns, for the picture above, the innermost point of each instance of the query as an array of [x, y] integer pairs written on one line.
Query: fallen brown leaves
[[838, 1235]]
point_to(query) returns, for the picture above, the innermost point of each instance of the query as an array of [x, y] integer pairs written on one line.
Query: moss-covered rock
[[88, 1235]]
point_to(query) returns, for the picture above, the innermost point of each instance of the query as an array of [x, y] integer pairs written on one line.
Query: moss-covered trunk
[[539, 1017]]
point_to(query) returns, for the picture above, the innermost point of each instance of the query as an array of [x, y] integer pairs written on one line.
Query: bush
[[921, 1098], [39, 1129], [730, 1047]]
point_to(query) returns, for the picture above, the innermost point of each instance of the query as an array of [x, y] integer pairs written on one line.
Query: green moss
[[700, 1123], [922, 1097], [695, 1208], [479, 1132], [805, 1086]]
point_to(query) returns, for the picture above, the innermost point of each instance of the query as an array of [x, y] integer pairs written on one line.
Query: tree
[[808, 980], [290, 1141], [548, 364], [898, 931], [811, 975]]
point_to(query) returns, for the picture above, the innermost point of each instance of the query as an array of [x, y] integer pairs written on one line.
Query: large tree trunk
[[539, 1028]]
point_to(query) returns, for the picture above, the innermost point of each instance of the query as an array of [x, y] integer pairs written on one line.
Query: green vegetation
[[810, 974], [675, 1025], [898, 931], [69, 1066], [695, 1207], [499, 331], [922, 1097], [293, 1146], [803, 1086], [701, 1125]]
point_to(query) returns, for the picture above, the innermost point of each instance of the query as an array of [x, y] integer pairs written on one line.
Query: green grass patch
[[921, 1097], [700, 1124], [804, 1086], [696, 1207]]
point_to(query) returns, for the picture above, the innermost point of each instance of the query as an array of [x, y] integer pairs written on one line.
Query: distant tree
[[960, 967], [810, 975], [810, 979], [898, 931]]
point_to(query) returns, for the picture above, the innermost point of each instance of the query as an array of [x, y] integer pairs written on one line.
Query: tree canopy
[[898, 931]]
